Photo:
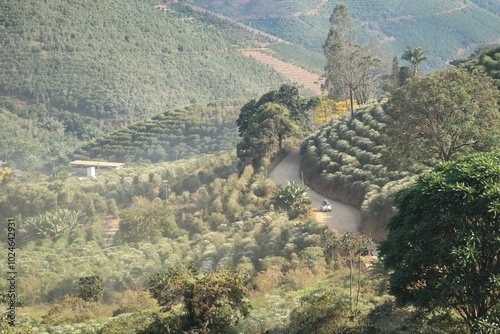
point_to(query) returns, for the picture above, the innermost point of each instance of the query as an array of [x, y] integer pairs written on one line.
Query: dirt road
[[343, 218]]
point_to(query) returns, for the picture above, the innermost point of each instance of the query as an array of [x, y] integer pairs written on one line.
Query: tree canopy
[[263, 124], [488, 63], [442, 117], [213, 302], [444, 243]]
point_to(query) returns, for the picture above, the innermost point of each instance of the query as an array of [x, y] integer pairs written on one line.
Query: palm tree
[[53, 224], [414, 55], [292, 198]]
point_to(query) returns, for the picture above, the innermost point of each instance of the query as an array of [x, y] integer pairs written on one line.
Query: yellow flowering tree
[[4, 172], [329, 108]]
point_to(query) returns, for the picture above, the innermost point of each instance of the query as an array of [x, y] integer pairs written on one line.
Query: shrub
[[74, 310], [268, 280], [132, 301], [297, 279]]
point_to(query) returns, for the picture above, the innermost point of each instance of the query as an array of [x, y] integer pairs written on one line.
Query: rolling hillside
[[81, 69], [444, 28]]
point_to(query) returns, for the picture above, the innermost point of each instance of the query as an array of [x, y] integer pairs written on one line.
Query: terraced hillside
[[80, 69], [442, 27], [342, 161], [177, 133], [83, 68], [294, 73]]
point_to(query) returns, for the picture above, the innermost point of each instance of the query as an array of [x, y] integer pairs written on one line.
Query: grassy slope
[[442, 27]]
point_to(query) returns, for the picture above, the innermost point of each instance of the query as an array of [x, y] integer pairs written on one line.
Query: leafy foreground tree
[[441, 117], [444, 242], [212, 303], [293, 199], [91, 288], [265, 123]]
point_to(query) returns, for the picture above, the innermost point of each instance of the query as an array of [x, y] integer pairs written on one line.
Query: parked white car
[[326, 206]]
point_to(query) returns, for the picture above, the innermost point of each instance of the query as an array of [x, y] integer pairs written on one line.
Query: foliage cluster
[[293, 199], [31, 143], [444, 244], [328, 109], [74, 310], [213, 302], [487, 63], [265, 123], [441, 117]]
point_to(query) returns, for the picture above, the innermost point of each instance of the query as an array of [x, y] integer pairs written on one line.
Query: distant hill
[[83, 68], [444, 28], [120, 61]]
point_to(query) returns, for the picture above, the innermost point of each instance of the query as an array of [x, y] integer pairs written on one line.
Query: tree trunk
[[352, 101]]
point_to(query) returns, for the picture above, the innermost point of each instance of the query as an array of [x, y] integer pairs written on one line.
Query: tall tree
[[444, 242], [393, 80], [350, 68], [263, 138], [340, 32], [415, 55], [441, 117]]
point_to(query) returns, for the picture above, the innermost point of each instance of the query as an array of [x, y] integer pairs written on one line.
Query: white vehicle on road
[[326, 206]]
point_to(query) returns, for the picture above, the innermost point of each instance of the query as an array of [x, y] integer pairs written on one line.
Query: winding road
[[343, 218]]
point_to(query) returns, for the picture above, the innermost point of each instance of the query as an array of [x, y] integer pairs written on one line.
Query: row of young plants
[[34, 194], [175, 134], [343, 160]]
